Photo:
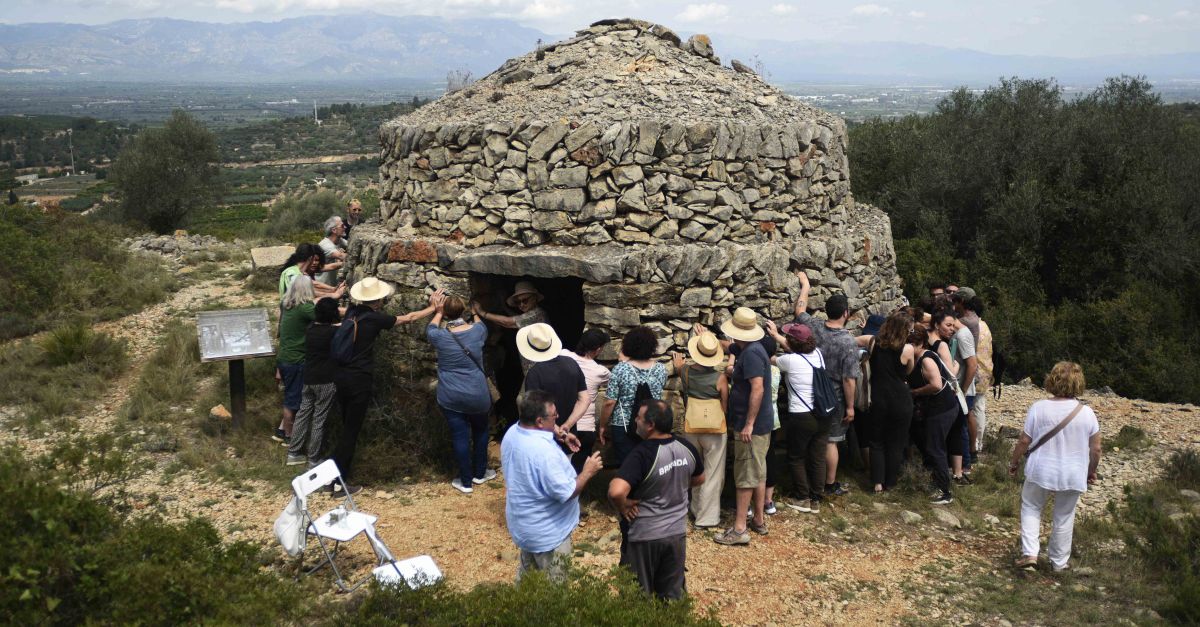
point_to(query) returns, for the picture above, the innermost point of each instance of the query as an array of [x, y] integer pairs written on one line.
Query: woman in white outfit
[[1062, 438]]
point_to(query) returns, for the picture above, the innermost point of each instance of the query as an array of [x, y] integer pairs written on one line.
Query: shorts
[[293, 384], [750, 461], [838, 428]]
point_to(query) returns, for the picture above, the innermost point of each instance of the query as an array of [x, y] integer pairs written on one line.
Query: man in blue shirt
[[750, 419], [542, 499]]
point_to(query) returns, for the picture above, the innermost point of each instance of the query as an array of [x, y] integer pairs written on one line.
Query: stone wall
[[631, 182]]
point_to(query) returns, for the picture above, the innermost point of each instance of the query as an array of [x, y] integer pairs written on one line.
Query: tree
[[166, 173]]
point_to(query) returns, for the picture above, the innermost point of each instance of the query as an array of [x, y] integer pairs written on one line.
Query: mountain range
[[371, 46]]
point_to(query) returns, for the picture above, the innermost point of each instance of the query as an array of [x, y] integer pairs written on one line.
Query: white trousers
[[980, 413], [706, 497], [1033, 501]]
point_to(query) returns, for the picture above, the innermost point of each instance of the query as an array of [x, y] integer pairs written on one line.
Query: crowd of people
[[911, 385]]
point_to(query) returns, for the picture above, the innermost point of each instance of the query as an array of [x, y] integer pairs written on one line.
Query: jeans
[[1033, 501], [623, 439], [968, 454], [354, 397], [587, 442], [806, 439], [469, 436]]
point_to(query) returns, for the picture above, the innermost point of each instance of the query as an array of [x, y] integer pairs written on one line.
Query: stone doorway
[[563, 304]]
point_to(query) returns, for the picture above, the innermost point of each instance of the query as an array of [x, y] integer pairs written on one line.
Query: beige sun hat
[[523, 287], [370, 289], [705, 349], [538, 342], [743, 326]]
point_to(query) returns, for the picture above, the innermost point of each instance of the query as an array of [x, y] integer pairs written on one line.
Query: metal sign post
[[234, 335]]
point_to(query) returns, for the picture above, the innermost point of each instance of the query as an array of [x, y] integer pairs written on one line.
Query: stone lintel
[[596, 264]]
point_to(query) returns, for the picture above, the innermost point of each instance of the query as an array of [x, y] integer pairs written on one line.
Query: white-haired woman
[[297, 313], [1061, 441]]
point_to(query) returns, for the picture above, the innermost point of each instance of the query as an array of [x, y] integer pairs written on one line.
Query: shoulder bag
[[1053, 432], [493, 391], [953, 381], [701, 415]]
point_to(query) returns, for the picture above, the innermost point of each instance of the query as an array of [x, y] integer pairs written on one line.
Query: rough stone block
[[570, 200], [611, 316], [417, 250], [270, 256], [696, 297]]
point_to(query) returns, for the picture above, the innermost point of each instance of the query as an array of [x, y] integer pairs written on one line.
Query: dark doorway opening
[[563, 303]]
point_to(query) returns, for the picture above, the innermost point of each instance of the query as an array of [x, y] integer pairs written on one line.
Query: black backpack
[[341, 348], [640, 395], [825, 400]]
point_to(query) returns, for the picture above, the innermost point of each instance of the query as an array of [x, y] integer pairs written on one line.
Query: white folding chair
[[343, 530]]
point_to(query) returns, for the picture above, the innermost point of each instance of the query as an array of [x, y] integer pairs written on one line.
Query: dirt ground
[[838, 567]]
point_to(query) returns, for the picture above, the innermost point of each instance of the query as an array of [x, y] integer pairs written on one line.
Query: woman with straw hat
[[355, 378], [525, 299], [705, 392]]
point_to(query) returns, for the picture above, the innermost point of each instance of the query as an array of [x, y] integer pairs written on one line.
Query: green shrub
[[1128, 438], [75, 342], [586, 599], [1168, 548], [66, 559], [68, 267], [301, 218], [1183, 469]]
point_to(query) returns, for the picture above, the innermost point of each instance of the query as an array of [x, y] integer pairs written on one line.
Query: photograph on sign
[[234, 334]]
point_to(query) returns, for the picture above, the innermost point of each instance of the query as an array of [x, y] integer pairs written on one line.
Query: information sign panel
[[234, 334]]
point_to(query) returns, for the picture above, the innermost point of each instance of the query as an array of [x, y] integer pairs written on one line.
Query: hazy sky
[[1077, 28]]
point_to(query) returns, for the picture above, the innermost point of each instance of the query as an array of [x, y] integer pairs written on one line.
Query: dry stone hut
[[636, 180]]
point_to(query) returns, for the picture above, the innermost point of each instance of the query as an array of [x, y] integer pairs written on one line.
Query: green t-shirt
[[285, 279], [292, 326]]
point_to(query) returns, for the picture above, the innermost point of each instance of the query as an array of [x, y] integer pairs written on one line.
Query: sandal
[[1026, 561]]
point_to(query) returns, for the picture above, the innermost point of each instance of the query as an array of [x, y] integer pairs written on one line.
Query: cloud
[[1183, 15], [783, 9], [917, 15], [870, 10], [707, 12], [1142, 18], [544, 9], [1035, 21]]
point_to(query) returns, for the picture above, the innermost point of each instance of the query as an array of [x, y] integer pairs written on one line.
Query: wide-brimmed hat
[[705, 349], [523, 287], [538, 342], [743, 325], [797, 332], [370, 289]]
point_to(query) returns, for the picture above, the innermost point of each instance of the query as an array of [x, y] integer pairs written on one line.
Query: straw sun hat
[[370, 289], [743, 326], [538, 342], [522, 288], [705, 349]]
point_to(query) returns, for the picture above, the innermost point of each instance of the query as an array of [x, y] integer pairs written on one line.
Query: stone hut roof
[[618, 70]]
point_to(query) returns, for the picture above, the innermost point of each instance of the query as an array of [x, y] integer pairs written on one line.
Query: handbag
[[493, 391], [1053, 432], [862, 393], [701, 415]]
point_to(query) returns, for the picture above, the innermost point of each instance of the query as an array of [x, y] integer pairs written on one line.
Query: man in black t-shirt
[[355, 378], [651, 493], [553, 373]]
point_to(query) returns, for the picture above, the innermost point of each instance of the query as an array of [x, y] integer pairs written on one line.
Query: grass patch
[[170, 377], [58, 373], [1129, 438], [228, 222]]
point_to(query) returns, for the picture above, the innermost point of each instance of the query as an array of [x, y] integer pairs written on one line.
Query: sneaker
[[770, 510], [296, 460], [942, 498], [337, 488], [801, 506], [465, 489], [487, 476], [814, 506], [963, 479], [279, 436], [836, 489], [759, 529], [730, 537]]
